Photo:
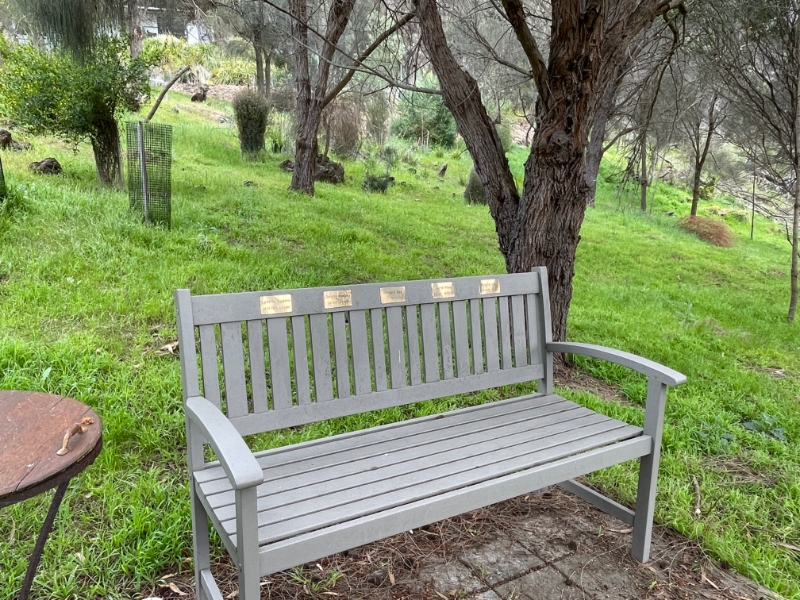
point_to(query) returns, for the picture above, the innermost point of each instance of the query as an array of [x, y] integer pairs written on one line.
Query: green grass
[[86, 304]]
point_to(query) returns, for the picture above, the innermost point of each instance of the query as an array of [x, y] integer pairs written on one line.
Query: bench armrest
[[240, 465], [644, 366]]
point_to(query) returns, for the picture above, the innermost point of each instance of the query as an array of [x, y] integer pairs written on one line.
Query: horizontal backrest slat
[[284, 358], [245, 306]]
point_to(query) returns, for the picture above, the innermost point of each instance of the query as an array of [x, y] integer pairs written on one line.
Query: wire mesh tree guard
[[150, 171]]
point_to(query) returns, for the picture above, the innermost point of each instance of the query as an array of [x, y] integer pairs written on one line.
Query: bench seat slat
[[330, 451], [336, 538], [456, 431], [491, 461], [416, 461]]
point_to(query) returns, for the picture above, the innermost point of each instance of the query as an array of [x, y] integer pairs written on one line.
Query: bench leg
[[202, 556], [248, 563], [648, 472]]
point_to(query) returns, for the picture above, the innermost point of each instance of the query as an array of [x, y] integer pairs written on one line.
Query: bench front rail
[[269, 360]]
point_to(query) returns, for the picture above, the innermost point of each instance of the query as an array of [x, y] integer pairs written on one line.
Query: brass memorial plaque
[[391, 295], [443, 289], [275, 305], [490, 286], [338, 298]]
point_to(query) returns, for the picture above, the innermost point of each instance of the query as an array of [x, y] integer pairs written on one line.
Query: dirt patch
[[739, 470], [217, 92]]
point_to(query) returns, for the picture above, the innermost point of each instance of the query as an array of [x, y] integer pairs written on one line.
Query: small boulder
[[329, 171], [443, 170], [48, 166], [287, 165], [20, 146]]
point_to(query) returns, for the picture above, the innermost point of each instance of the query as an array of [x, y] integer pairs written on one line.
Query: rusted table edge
[[54, 481]]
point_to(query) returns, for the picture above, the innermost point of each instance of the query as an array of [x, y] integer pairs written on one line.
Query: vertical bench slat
[[412, 330], [430, 342], [397, 349], [477, 341], [490, 331], [533, 330], [233, 369], [208, 358], [358, 335], [341, 352], [321, 357], [447, 344], [378, 349], [301, 360], [258, 377], [461, 337], [505, 332], [518, 325], [280, 369]]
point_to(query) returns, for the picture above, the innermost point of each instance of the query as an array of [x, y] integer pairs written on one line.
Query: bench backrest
[[283, 358]]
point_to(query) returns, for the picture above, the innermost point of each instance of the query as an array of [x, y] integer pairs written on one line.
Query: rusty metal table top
[[32, 430]]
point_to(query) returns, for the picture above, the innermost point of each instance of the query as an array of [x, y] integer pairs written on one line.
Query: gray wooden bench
[[270, 360]]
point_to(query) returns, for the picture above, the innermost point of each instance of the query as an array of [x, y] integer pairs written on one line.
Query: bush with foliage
[[424, 118], [251, 111], [234, 71], [53, 93], [378, 113]]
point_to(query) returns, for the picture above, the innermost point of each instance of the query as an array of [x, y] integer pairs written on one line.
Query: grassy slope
[[86, 302]]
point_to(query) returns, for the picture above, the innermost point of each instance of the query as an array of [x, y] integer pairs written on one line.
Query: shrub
[[474, 192], [52, 93], [709, 230], [234, 71], [425, 119], [251, 111]]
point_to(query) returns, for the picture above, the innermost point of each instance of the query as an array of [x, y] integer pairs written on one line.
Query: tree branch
[[374, 46], [163, 93], [516, 17]]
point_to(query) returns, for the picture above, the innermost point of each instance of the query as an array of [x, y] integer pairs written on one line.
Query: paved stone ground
[[552, 546], [574, 552]]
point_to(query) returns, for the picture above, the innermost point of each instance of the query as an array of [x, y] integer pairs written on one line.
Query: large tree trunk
[[309, 106], [267, 74], [543, 227], [696, 187], [259, 70], [106, 147]]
